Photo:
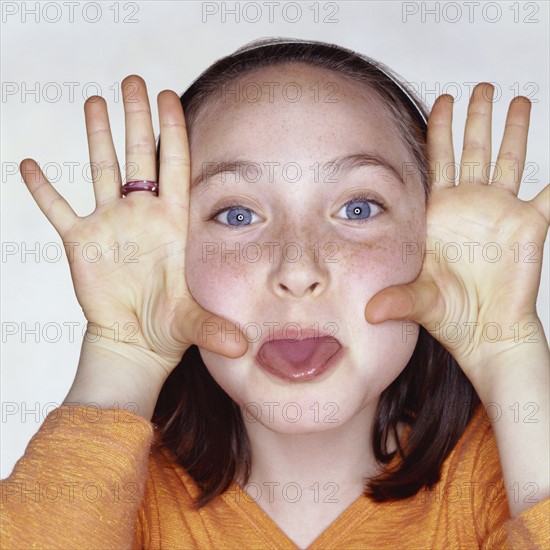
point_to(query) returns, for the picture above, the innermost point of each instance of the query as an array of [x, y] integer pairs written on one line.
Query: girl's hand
[[139, 279], [476, 293]]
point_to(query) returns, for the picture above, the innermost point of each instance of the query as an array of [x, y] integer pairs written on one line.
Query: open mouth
[[299, 360]]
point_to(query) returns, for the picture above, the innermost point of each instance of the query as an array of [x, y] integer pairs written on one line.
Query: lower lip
[[306, 374]]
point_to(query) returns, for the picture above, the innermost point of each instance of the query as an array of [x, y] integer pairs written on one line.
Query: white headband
[[277, 40]]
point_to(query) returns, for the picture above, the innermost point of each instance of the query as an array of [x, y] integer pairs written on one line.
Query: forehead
[[294, 112]]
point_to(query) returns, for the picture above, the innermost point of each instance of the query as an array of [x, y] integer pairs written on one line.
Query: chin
[[296, 416]]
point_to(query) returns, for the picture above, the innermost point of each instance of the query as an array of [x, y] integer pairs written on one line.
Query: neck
[[337, 461]]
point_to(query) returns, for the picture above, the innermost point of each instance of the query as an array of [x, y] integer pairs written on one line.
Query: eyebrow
[[344, 164]]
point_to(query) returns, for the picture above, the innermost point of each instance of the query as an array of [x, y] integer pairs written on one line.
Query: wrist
[[518, 374], [114, 374], [491, 351]]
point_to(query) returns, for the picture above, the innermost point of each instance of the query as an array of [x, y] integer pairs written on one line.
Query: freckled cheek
[[378, 264], [402, 250], [221, 276], [366, 269]]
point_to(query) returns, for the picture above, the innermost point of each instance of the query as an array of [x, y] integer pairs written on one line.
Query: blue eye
[[234, 216], [360, 209]]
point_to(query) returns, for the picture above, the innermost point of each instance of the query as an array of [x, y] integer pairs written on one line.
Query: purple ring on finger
[[140, 185]]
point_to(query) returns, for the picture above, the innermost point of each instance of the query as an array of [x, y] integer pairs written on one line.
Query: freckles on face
[[228, 276], [382, 261], [252, 275]]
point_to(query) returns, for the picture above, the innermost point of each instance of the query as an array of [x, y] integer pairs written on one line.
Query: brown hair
[[202, 426]]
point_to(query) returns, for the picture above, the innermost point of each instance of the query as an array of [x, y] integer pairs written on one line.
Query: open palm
[[133, 277], [476, 293]]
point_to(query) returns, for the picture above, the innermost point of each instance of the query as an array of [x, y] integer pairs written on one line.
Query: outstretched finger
[[174, 169], [106, 176], [439, 140], [53, 205], [140, 139], [513, 149], [476, 152]]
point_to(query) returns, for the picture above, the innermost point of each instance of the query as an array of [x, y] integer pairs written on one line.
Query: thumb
[[419, 301], [542, 201], [207, 330]]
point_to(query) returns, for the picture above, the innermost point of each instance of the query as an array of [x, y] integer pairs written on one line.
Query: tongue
[[293, 356]]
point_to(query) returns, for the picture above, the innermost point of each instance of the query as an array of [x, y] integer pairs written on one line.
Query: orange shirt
[[88, 479]]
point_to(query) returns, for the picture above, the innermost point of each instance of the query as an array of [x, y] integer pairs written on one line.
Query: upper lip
[[297, 331]]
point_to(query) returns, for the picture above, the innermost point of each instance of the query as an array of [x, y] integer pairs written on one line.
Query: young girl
[[363, 365]]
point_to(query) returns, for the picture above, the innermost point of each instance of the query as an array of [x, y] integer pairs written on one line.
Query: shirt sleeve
[[529, 530], [496, 529], [79, 483]]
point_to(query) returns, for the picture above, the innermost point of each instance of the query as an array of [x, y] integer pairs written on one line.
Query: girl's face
[[308, 245]]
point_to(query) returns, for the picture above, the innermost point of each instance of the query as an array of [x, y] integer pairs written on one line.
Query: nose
[[299, 272]]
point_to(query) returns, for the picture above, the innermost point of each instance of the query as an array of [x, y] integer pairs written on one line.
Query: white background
[[169, 44]]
